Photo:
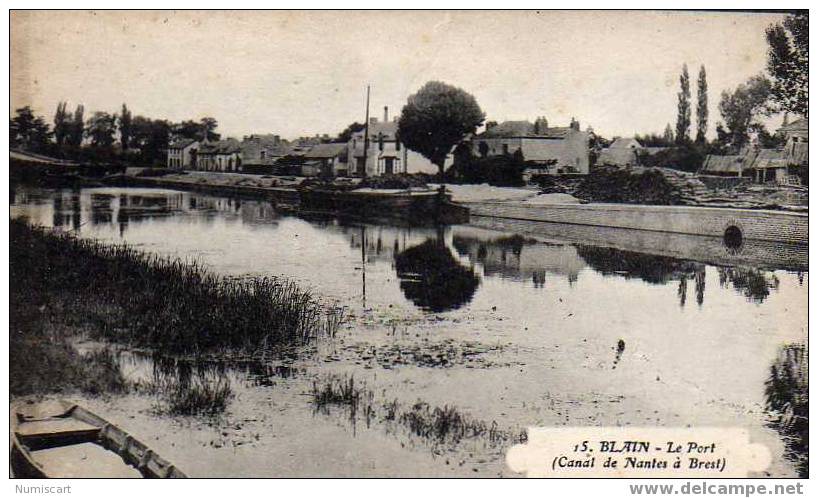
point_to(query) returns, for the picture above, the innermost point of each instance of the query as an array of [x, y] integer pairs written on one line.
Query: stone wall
[[775, 226], [712, 250]]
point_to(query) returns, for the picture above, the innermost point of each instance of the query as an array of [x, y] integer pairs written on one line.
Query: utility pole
[[366, 132]]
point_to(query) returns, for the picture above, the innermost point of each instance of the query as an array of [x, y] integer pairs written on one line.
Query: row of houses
[[547, 150], [559, 150]]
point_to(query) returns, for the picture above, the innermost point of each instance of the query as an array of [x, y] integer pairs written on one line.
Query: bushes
[[500, 171], [688, 157]]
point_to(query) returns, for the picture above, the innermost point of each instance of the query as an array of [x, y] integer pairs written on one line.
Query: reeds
[[162, 303], [436, 426]]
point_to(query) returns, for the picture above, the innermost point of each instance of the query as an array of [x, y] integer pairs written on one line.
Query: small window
[[380, 142], [505, 148], [263, 154], [397, 145]]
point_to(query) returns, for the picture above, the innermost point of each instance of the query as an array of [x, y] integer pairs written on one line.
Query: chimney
[[386, 114], [373, 120]]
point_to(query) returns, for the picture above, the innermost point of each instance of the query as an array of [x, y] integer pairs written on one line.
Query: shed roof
[[723, 164]]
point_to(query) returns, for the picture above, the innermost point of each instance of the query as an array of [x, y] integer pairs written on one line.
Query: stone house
[[259, 153], [224, 155], [385, 154], [560, 150], [182, 154]]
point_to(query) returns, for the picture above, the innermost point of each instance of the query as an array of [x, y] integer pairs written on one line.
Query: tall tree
[[788, 63], [62, 123], [437, 118], [683, 108], [742, 107], [208, 128], [77, 127], [28, 131], [187, 129], [152, 137], [701, 107], [668, 135], [125, 127], [101, 129]]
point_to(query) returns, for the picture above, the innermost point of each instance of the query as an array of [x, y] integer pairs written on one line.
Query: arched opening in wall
[[733, 238]]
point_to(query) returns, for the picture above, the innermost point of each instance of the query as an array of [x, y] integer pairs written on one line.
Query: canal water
[[511, 329]]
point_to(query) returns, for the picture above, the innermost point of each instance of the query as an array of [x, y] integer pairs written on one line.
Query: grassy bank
[[62, 285]]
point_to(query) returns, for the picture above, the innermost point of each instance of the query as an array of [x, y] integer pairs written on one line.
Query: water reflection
[[504, 255], [516, 257], [755, 285], [433, 279], [787, 400]]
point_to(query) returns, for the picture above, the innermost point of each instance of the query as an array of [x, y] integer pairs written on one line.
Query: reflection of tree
[[787, 395], [433, 279], [699, 277], [754, 284]]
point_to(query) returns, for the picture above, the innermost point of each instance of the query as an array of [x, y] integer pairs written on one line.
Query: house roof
[[182, 143], [326, 150], [508, 129], [524, 129], [799, 124], [621, 143], [228, 146]]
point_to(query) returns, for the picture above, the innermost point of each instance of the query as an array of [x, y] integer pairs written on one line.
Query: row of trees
[[742, 109], [103, 136]]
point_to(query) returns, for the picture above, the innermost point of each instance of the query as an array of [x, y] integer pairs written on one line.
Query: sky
[[300, 73]]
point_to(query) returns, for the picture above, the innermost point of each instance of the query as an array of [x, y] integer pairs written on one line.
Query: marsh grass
[[436, 426], [187, 387], [161, 303]]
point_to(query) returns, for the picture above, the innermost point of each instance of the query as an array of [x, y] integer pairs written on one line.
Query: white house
[[182, 154], [385, 154]]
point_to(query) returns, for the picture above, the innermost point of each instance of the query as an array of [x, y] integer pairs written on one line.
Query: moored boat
[[61, 439]]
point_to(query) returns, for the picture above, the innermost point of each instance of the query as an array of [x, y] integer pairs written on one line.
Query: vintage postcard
[[255, 244]]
